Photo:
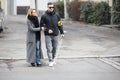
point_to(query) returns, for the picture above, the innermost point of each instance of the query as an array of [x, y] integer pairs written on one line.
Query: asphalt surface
[[80, 40], [65, 69], [87, 52]]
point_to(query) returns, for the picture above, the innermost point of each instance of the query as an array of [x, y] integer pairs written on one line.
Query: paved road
[[87, 52], [80, 40], [66, 69], [90, 41]]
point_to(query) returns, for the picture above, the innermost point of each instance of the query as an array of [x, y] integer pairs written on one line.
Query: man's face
[[51, 8]]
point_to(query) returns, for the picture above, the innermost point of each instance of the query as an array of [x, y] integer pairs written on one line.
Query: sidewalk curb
[[68, 57]]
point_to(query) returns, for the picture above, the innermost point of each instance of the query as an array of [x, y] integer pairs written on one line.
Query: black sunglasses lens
[[51, 7]]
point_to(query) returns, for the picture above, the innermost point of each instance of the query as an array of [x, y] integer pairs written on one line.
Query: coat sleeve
[[30, 26], [60, 27], [43, 23]]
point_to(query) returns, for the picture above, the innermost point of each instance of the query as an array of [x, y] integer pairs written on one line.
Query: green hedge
[[116, 14], [89, 12], [101, 13], [97, 13], [86, 12], [59, 7]]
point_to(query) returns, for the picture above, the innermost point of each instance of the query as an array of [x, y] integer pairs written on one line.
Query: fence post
[[112, 13]]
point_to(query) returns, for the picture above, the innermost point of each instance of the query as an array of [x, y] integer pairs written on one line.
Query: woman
[[34, 53]]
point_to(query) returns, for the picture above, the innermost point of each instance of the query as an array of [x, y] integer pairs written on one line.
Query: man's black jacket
[[50, 21]]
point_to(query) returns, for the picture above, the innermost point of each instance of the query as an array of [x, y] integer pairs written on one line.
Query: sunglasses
[[51, 7]]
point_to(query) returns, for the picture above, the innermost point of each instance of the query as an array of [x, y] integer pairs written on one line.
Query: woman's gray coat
[[31, 43]]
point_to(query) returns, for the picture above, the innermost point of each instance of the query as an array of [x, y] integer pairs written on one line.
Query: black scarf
[[34, 20], [50, 13]]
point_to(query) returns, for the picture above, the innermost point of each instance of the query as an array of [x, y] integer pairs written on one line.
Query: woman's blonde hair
[[30, 11]]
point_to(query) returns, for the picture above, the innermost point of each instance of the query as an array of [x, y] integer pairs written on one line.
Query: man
[[51, 25]]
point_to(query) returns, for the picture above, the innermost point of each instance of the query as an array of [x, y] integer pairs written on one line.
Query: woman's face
[[34, 13]]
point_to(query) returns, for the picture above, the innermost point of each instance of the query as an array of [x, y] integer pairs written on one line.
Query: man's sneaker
[[54, 62], [51, 64]]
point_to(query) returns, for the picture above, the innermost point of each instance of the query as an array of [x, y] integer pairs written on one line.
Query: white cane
[[59, 46]]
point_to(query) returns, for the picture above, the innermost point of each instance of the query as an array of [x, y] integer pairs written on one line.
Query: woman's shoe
[[33, 64]]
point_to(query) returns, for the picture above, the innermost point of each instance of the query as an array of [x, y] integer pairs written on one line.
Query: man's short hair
[[50, 3]]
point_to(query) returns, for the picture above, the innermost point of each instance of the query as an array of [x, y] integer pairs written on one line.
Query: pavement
[[81, 40], [87, 52], [66, 69]]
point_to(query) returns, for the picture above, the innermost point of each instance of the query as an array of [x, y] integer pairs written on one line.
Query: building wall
[[42, 5], [22, 2], [4, 6], [2, 3], [10, 6], [32, 3]]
